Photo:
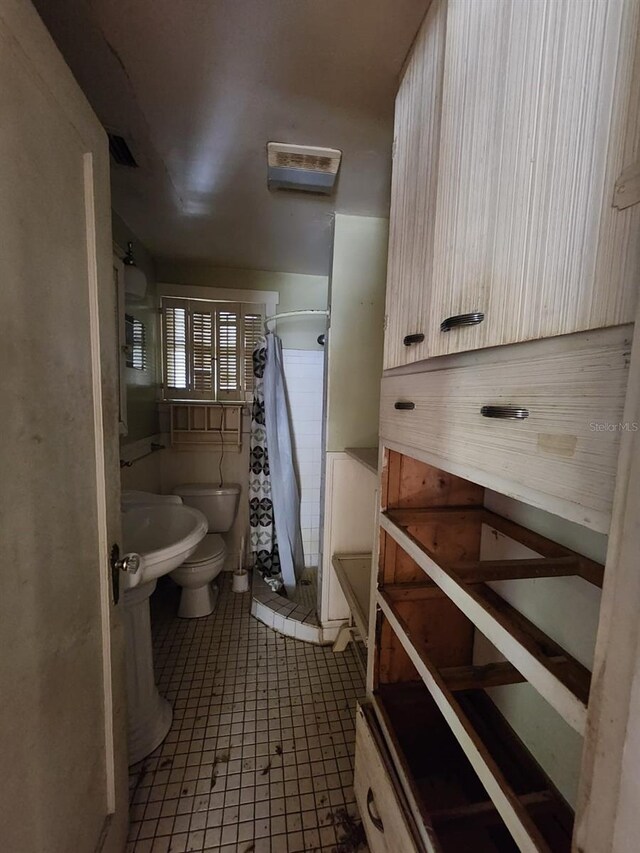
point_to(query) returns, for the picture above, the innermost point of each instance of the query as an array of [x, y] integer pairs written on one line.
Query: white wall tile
[[304, 376]]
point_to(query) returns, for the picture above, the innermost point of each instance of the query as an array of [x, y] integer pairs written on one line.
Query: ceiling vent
[[301, 167], [120, 151]]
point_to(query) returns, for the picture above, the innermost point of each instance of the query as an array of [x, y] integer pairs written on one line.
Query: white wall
[[354, 369], [304, 377], [355, 340], [203, 466]]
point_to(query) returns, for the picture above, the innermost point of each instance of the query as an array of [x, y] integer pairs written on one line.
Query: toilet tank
[[218, 503]]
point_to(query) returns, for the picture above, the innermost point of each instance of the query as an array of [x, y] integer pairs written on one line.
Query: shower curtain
[[274, 500]]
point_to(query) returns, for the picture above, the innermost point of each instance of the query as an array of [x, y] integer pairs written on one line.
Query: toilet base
[[198, 602]]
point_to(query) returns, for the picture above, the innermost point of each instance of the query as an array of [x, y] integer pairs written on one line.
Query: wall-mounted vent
[[301, 167], [120, 151]]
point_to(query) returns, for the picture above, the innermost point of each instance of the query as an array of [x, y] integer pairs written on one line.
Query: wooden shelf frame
[[555, 560], [561, 680], [511, 807], [206, 424]]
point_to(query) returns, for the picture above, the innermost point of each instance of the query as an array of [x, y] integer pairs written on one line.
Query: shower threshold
[[295, 616]]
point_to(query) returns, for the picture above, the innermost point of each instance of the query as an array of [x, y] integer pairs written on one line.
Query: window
[[135, 348], [207, 348]]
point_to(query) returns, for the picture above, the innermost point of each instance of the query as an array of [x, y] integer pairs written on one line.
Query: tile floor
[[260, 754]]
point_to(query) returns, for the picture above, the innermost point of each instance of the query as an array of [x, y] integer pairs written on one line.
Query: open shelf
[[444, 544], [354, 575], [456, 691], [456, 812]]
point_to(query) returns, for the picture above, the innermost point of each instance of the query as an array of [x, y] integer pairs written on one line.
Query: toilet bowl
[[219, 503], [196, 574]]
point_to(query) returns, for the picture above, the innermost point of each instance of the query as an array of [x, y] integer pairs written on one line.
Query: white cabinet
[[517, 131], [413, 193], [537, 121], [537, 421]]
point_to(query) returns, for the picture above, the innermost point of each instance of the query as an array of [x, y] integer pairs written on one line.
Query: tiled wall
[[304, 377]]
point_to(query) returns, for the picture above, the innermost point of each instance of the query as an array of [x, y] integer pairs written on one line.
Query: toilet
[[219, 505]]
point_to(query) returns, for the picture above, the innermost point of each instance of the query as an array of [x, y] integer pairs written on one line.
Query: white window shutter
[[252, 332], [139, 345], [202, 350], [228, 352], [208, 347], [175, 335]]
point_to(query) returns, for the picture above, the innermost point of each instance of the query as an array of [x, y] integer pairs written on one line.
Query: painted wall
[[203, 466], [567, 609], [142, 385], [354, 347], [353, 371], [297, 292]]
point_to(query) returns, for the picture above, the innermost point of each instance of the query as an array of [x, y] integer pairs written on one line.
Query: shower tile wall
[[304, 377]]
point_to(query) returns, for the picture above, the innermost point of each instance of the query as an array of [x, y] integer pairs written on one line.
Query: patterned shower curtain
[[276, 539], [263, 540]]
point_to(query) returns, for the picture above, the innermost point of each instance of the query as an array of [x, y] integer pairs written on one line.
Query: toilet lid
[[211, 546]]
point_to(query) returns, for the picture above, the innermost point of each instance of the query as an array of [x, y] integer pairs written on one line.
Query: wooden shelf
[[509, 804], [206, 424], [354, 574], [453, 809], [367, 456], [558, 677]]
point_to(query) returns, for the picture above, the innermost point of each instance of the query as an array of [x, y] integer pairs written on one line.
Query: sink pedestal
[[149, 715]]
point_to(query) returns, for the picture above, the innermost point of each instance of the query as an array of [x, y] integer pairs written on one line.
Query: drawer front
[[382, 814], [539, 421]]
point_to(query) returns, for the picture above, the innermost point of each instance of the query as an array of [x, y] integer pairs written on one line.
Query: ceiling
[[198, 87]]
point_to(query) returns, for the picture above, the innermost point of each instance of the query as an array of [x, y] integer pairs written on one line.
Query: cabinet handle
[[472, 319], [375, 820], [404, 405], [510, 413], [413, 339]]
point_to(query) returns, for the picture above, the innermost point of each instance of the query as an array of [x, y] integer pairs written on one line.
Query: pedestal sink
[[163, 533]]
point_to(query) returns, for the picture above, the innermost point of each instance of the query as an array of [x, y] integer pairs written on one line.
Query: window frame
[[243, 302]]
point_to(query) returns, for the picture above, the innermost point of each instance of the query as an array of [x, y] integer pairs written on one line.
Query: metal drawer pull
[[375, 820], [510, 413], [472, 319], [413, 339], [404, 405]]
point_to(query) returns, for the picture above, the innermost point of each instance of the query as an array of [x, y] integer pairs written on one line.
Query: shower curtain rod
[[292, 314]]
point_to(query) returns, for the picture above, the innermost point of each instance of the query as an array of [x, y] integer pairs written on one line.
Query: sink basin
[[164, 535]]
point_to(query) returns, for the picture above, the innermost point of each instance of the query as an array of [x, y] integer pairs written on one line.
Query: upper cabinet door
[[538, 120], [413, 194]]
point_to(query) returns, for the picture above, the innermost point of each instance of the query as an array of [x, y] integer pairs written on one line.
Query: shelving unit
[[468, 774], [562, 681]]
